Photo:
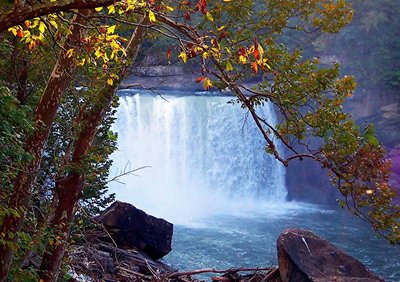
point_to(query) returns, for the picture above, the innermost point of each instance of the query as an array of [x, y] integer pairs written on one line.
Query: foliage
[[309, 97], [14, 127], [230, 41]]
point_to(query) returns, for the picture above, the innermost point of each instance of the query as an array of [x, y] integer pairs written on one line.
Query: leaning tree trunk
[[44, 116], [69, 189]]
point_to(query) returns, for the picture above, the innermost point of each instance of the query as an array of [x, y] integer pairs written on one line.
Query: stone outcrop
[[132, 228], [303, 256], [169, 77]]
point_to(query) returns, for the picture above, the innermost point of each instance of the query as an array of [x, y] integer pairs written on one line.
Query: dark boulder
[[303, 256], [132, 228]]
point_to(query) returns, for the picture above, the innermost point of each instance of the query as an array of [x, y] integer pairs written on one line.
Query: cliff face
[[307, 182], [383, 109]]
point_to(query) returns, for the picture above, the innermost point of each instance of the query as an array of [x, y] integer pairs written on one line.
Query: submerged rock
[[133, 228], [303, 256]]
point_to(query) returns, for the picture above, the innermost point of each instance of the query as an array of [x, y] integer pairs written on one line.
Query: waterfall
[[205, 157]]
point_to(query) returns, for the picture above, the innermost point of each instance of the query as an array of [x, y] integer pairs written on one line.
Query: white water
[[209, 170], [206, 158]]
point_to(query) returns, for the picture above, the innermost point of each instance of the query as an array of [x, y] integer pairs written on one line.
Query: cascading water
[[205, 157], [208, 169]]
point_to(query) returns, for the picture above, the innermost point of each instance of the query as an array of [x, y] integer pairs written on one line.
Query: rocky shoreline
[[127, 245]]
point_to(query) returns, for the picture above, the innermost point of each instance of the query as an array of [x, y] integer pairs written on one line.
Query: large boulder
[[303, 256], [133, 228]]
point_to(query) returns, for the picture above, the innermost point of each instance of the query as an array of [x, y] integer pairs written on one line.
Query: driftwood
[[212, 270], [104, 261]]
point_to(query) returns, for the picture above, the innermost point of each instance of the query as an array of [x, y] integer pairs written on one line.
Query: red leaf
[[103, 29], [199, 79], [242, 51], [201, 6], [256, 53], [187, 16], [20, 33]]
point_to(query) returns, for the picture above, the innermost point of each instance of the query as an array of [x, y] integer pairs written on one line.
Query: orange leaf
[[254, 67], [169, 54]]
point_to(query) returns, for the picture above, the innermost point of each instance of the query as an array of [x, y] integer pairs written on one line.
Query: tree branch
[[26, 12]]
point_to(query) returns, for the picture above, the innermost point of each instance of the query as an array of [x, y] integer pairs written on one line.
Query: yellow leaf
[[41, 37], [110, 81], [209, 17], [105, 58], [183, 56], [265, 64], [152, 17], [229, 66], [207, 84], [98, 9], [35, 22], [111, 9], [82, 62], [54, 23], [169, 8], [111, 29], [13, 30], [42, 27], [98, 53], [70, 52], [68, 31]]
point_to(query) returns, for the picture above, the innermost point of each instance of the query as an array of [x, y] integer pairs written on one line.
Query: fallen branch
[[212, 270]]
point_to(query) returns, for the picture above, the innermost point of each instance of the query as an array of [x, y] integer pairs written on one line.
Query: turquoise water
[[227, 241], [205, 170]]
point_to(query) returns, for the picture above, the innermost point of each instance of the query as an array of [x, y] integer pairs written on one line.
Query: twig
[[132, 272], [271, 274], [212, 270]]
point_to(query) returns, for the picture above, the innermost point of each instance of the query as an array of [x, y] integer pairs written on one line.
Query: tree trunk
[[44, 116], [70, 188]]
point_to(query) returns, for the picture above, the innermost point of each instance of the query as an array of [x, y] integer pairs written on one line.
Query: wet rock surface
[[303, 256], [131, 228]]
